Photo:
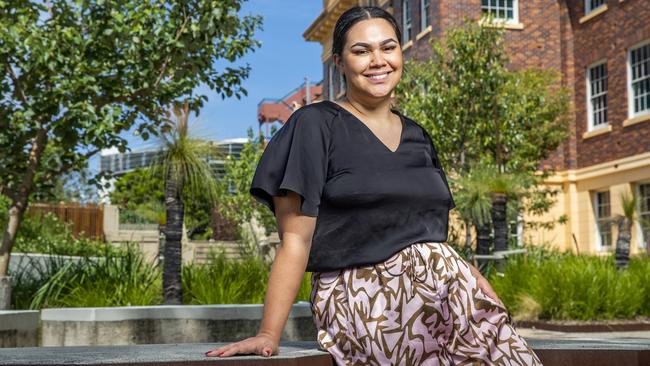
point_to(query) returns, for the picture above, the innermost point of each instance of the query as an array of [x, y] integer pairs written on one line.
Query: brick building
[[602, 50], [271, 110]]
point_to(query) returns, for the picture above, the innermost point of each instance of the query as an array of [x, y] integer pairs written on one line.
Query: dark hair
[[354, 15]]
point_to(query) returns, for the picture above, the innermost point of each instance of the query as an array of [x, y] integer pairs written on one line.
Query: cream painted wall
[[577, 202]]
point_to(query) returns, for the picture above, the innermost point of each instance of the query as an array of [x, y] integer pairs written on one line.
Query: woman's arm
[[296, 231]]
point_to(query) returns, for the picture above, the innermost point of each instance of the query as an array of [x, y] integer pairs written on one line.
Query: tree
[[183, 165], [137, 187], [76, 74], [235, 202], [478, 112]]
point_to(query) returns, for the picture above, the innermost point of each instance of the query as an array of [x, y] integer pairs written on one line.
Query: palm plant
[[624, 223], [183, 166], [473, 207], [503, 186]]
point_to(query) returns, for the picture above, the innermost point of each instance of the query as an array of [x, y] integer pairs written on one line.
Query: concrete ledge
[[291, 353], [165, 324], [629, 352], [212, 312], [19, 328]]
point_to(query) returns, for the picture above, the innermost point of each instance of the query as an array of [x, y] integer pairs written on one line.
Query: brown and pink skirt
[[422, 306]]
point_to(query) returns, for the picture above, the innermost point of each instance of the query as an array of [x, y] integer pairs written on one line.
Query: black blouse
[[369, 202]]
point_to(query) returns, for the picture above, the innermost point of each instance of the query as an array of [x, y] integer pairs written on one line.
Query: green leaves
[[87, 71], [478, 113], [236, 204], [134, 56]]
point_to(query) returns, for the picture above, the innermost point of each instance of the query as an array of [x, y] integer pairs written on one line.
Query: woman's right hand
[[261, 344]]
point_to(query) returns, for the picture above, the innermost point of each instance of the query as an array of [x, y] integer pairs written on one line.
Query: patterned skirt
[[422, 306]]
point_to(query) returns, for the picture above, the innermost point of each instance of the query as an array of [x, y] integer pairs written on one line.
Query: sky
[[278, 66]]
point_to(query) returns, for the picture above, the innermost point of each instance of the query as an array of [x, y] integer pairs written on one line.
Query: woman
[[361, 201]]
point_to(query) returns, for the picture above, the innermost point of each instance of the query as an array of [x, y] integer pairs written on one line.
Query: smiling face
[[371, 59]]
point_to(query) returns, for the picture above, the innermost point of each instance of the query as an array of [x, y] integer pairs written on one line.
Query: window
[[591, 5], [425, 17], [644, 214], [330, 81], [597, 95], [406, 21], [341, 82], [639, 80], [507, 10], [603, 223]]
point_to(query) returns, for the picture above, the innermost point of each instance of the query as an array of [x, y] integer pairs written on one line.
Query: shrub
[[557, 286], [223, 281], [114, 280], [48, 234]]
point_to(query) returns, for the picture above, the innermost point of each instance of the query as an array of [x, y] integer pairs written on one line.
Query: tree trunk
[[468, 234], [172, 282], [622, 254], [499, 221], [482, 244], [19, 200], [483, 239]]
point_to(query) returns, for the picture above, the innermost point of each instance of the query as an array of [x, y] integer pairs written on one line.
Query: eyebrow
[[362, 44]]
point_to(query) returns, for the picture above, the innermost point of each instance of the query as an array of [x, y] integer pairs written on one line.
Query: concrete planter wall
[[19, 328], [165, 324]]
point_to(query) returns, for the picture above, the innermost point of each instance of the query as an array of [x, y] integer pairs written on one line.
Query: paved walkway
[[529, 333]]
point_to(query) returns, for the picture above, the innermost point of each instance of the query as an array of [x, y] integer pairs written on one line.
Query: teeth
[[381, 76]]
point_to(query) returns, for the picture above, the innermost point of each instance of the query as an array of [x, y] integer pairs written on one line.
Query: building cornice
[[321, 29], [598, 170]]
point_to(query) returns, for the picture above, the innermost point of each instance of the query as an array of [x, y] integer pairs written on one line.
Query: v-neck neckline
[[401, 118]]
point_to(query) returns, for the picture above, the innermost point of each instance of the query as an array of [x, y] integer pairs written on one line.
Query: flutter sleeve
[[438, 165], [295, 159]]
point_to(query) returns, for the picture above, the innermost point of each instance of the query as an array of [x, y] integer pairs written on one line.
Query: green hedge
[[555, 286], [125, 279], [540, 285]]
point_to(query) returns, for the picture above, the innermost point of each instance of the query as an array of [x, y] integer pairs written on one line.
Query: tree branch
[[169, 57], [18, 89], [66, 167]]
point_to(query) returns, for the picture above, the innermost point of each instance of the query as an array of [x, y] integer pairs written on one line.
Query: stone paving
[[541, 334]]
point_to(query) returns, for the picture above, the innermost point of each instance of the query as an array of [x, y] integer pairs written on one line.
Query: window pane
[[597, 79], [640, 81], [500, 9], [603, 225]]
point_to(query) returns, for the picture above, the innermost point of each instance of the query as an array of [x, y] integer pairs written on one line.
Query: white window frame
[[590, 106], [407, 21], [641, 241], [424, 15], [515, 13], [630, 91], [599, 243], [589, 9], [330, 81]]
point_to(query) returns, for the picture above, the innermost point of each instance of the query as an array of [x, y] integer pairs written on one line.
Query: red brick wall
[[609, 36], [553, 37], [538, 44]]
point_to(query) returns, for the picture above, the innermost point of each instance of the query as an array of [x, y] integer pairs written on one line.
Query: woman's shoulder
[[412, 123], [323, 108], [314, 115]]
